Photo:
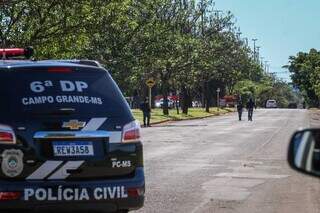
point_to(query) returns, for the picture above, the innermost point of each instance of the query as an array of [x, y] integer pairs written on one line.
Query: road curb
[[187, 119]]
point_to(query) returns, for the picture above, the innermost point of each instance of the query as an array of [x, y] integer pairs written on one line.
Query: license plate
[[71, 149]]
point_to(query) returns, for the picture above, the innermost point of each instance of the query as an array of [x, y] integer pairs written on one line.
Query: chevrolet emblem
[[74, 124]]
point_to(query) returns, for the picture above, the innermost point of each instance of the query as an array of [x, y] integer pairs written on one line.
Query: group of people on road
[[145, 108], [250, 106]]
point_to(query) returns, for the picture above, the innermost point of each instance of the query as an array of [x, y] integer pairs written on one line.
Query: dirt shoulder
[[314, 118]]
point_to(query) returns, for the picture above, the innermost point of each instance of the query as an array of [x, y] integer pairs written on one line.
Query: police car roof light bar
[[14, 52]]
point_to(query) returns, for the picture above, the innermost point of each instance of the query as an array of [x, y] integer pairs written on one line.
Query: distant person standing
[[145, 108], [240, 109], [250, 106]]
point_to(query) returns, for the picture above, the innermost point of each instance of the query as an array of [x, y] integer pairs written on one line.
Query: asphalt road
[[223, 165]]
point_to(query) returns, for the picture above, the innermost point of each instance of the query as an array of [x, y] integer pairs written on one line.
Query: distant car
[[292, 106], [196, 104], [271, 104], [159, 103]]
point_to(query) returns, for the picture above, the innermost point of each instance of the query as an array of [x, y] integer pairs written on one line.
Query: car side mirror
[[304, 152]]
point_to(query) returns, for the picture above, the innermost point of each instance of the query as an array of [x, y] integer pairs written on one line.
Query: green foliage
[[184, 45], [305, 72], [246, 89], [54, 28], [267, 88], [280, 91]]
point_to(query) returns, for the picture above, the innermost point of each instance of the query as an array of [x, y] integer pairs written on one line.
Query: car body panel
[[73, 140]]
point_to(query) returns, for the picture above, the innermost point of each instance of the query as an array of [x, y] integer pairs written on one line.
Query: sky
[[282, 27]]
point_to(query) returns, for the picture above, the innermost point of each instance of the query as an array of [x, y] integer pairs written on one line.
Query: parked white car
[[159, 103], [196, 104], [271, 104]]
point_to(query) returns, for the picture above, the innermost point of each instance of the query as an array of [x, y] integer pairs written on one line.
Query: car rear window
[[89, 92]]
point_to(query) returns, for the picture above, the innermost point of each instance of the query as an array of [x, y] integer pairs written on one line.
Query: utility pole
[[204, 83], [266, 65], [218, 98], [261, 60], [258, 53], [246, 41], [239, 33], [254, 48]]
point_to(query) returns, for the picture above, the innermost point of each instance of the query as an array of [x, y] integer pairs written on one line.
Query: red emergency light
[[14, 52]]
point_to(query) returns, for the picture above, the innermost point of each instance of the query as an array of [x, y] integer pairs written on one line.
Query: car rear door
[[68, 121]]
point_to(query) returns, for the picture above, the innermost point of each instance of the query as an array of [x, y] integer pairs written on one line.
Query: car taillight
[[135, 192], [131, 132], [10, 195], [7, 135]]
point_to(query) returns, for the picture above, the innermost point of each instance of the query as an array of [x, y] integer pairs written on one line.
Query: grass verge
[[194, 113]]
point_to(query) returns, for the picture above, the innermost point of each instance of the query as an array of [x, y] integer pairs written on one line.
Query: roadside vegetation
[[190, 48], [268, 88], [305, 72], [194, 113]]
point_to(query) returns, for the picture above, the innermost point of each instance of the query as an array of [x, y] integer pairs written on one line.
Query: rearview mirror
[[304, 152]]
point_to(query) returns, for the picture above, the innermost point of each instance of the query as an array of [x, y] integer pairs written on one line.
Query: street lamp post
[[218, 98], [246, 41], [258, 52], [254, 48], [265, 66]]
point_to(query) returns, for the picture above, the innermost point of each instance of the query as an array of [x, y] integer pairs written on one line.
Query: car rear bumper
[[100, 195]]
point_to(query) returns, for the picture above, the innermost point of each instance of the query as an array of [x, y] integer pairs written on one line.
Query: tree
[[185, 45], [54, 28], [305, 70]]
